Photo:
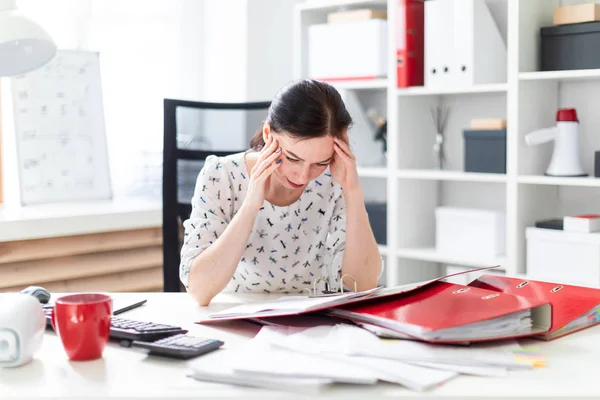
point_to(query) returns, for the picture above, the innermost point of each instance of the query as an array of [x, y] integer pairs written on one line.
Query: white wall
[[269, 44], [211, 50], [224, 31], [149, 50], [248, 57]]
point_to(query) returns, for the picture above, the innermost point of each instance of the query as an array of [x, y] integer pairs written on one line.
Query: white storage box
[[566, 257], [353, 50], [470, 233]]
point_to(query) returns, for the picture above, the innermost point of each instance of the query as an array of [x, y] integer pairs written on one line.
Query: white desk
[[125, 372]]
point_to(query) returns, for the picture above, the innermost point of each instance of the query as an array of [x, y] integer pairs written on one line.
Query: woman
[[286, 212]]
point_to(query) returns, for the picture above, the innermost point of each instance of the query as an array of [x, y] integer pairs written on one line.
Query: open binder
[[530, 316]]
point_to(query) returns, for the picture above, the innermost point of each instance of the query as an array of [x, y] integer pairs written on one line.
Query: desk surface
[[126, 372]]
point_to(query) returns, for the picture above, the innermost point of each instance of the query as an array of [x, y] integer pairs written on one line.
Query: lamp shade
[[24, 45]]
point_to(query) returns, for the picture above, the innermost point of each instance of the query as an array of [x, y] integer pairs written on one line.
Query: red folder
[[410, 43], [297, 305], [450, 313], [573, 307]]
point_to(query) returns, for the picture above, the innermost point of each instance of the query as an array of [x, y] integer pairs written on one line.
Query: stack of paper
[[225, 374], [310, 359], [354, 341]]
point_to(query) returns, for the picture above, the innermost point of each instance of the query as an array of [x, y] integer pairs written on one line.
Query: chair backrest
[[193, 131]]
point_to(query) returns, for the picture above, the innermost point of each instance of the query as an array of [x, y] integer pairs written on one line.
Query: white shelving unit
[[459, 176], [426, 91], [528, 100]]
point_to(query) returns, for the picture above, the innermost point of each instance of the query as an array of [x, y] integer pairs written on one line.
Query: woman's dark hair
[[306, 109]]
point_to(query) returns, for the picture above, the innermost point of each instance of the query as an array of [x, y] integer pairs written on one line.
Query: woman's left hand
[[343, 167]]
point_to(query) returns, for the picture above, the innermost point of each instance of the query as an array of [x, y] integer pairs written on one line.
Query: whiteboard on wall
[[60, 134]]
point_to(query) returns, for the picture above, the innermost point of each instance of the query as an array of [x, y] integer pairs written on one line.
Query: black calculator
[[180, 346]]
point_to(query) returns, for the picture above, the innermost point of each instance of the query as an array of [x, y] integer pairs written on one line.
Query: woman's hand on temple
[[260, 175], [343, 167]]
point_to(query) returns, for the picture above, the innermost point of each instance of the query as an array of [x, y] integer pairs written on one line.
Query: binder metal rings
[[328, 292]]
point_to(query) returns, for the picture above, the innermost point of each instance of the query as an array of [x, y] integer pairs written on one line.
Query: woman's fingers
[[269, 170], [267, 151], [344, 147], [345, 155], [266, 164]]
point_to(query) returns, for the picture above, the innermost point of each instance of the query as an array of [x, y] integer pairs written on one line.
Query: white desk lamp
[[24, 45]]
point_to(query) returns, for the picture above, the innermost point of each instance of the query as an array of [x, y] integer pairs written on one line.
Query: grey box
[[485, 151], [597, 164], [377, 213], [571, 46]]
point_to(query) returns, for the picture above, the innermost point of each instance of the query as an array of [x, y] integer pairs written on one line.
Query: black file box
[[571, 46], [485, 151], [377, 213]]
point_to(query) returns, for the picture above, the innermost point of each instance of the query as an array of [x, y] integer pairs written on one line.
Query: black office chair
[[184, 154]]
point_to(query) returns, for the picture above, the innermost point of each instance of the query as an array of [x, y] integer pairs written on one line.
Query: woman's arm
[[361, 258], [213, 268]]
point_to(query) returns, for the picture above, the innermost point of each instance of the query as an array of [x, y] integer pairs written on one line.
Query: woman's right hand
[[260, 175]]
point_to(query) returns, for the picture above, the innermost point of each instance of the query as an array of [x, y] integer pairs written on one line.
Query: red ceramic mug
[[82, 322]]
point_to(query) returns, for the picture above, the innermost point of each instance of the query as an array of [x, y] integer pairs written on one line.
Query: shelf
[[372, 172], [449, 175], [364, 84], [431, 254], [558, 181], [383, 250], [568, 75], [428, 91], [330, 5]]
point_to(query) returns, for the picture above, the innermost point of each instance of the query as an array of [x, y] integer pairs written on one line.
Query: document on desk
[[264, 357], [286, 305], [225, 374], [354, 341]]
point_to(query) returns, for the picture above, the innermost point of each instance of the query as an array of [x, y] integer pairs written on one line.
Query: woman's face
[[302, 160]]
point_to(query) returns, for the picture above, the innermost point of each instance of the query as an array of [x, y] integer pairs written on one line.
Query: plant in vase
[[439, 115], [380, 131]]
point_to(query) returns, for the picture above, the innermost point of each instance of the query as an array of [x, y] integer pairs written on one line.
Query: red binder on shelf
[[573, 307], [410, 42], [451, 313]]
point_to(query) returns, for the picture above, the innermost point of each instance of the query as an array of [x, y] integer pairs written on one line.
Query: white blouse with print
[[289, 246]]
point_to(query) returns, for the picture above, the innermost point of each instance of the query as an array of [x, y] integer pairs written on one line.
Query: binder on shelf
[[463, 46], [573, 307], [480, 50], [438, 32], [410, 43]]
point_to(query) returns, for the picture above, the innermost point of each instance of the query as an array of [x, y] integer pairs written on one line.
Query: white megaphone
[[565, 158]]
